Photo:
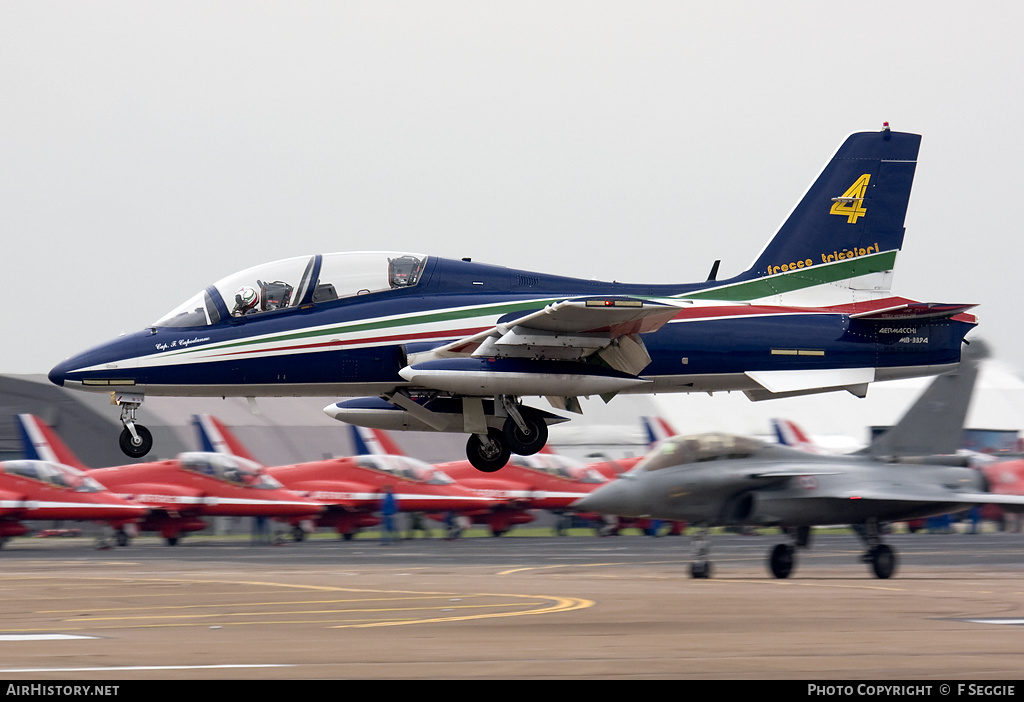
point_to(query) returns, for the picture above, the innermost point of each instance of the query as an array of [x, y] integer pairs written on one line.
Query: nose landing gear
[[135, 440]]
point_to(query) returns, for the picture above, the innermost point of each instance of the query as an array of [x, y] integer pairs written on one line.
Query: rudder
[[844, 233]]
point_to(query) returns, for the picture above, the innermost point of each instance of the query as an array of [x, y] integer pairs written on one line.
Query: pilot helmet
[[246, 299]]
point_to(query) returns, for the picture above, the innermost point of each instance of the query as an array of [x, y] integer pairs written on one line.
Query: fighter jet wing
[[797, 472], [569, 330], [911, 494]]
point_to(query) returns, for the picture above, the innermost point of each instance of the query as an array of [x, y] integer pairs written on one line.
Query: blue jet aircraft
[[454, 345]]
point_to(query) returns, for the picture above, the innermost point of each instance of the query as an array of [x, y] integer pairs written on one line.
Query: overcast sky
[[149, 149]]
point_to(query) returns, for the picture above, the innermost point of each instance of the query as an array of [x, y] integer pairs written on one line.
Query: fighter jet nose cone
[[58, 373], [611, 498]]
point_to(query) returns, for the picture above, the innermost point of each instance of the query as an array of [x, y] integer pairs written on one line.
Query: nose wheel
[[135, 439]]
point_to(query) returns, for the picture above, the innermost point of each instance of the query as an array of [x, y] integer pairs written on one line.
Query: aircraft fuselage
[[357, 345]]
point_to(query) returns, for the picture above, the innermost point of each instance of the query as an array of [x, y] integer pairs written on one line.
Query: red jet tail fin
[[41, 443], [215, 437]]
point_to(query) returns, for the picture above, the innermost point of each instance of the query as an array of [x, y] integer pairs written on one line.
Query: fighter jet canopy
[[405, 467], [230, 469], [698, 448], [291, 282], [52, 474]]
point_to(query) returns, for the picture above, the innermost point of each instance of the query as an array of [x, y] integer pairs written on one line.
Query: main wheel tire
[[488, 456], [883, 561], [530, 441], [782, 560], [700, 570], [135, 448]]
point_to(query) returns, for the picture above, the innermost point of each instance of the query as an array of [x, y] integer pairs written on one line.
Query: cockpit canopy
[[297, 281], [558, 466], [55, 474], [229, 469], [698, 448], [405, 467]]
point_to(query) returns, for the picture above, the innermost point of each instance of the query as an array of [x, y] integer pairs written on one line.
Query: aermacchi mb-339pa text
[[454, 345]]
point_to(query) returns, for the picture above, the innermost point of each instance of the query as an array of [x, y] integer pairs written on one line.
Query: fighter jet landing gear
[[879, 556], [782, 558], [488, 453], [700, 566], [525, 431], [135, 439]]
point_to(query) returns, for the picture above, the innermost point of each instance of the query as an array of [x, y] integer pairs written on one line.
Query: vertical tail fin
[[215, 437], [373, 442], [656, 429], [934, 424], [841, 239], [790, 434], [41, 443]]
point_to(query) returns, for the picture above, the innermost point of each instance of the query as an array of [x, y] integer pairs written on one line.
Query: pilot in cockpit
[[247, 301]]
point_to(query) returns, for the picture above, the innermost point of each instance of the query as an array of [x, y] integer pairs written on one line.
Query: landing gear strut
[[135, 439]]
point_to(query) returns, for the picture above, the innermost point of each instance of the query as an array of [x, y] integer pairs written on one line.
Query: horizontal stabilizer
[[914, 310], [787, 383]]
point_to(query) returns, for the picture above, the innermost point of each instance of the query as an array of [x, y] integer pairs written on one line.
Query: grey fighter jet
[[725, 480]]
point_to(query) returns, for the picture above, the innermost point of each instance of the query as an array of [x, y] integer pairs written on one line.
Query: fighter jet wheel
[[529, 442], [136, 448], [883, 561], [700, 570], [490, 455], [782, 560], [121, 538]]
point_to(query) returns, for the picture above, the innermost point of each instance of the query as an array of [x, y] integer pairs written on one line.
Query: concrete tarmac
[[510, 608]]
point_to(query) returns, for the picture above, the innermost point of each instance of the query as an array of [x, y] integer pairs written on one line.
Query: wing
[[937, 496], [569, 330]]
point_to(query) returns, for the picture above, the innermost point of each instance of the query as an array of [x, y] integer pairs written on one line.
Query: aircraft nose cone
[[618, 497], [58, 373]]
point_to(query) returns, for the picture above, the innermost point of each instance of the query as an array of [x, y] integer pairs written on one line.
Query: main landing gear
[[524, 433], [700, 566], [782, 557], [879, 556], [135, 439]]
